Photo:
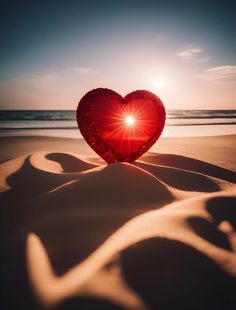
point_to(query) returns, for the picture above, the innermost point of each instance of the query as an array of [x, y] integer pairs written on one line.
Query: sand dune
[[183, 162], [78, 234], [190, 181], [130, 187]]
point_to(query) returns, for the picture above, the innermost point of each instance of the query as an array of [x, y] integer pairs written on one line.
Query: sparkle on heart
[[129, 120], [120, 129]]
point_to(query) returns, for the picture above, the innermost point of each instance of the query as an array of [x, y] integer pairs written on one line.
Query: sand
[[156, 234]]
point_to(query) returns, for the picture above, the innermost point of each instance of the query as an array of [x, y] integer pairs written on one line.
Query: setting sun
[[159, 82]]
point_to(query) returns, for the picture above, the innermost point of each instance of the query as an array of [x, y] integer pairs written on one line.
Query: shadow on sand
[[167, 274]]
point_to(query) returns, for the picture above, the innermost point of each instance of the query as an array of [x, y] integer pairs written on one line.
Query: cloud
[[83, 70], [220, 75], [222, 71], [191, 52], [194, 54], [53, 74], [34, 77]]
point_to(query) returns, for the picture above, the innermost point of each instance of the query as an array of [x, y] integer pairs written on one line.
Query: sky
[[53, 52]]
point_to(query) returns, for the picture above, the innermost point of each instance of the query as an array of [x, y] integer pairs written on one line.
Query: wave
[[66, 115], [23, 120]]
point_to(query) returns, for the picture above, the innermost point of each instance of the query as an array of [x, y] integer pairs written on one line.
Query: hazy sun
[[159, 82]]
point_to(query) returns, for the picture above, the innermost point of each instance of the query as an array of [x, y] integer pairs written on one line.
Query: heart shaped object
[[120, 129]]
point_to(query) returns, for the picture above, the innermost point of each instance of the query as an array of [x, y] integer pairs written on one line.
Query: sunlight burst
[[129, 120]]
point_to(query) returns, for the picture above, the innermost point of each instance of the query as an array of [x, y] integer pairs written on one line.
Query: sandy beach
[[156, 234]]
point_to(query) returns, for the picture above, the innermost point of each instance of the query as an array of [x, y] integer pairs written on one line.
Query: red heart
[[117, 128]]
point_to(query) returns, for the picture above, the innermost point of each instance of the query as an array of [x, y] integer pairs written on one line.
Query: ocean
[[63, 122]]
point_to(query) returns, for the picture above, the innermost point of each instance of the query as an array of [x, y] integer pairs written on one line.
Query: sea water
[[62, 123]]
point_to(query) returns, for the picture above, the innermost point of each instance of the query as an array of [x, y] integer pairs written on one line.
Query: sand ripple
[[155, 235]]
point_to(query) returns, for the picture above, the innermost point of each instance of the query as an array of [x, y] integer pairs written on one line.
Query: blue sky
[[53, 52]]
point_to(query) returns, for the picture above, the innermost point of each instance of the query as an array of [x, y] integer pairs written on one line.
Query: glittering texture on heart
[[120, 129]]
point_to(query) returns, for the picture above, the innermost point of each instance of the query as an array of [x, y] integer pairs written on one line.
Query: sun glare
[[129, 120], [159, 82]]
